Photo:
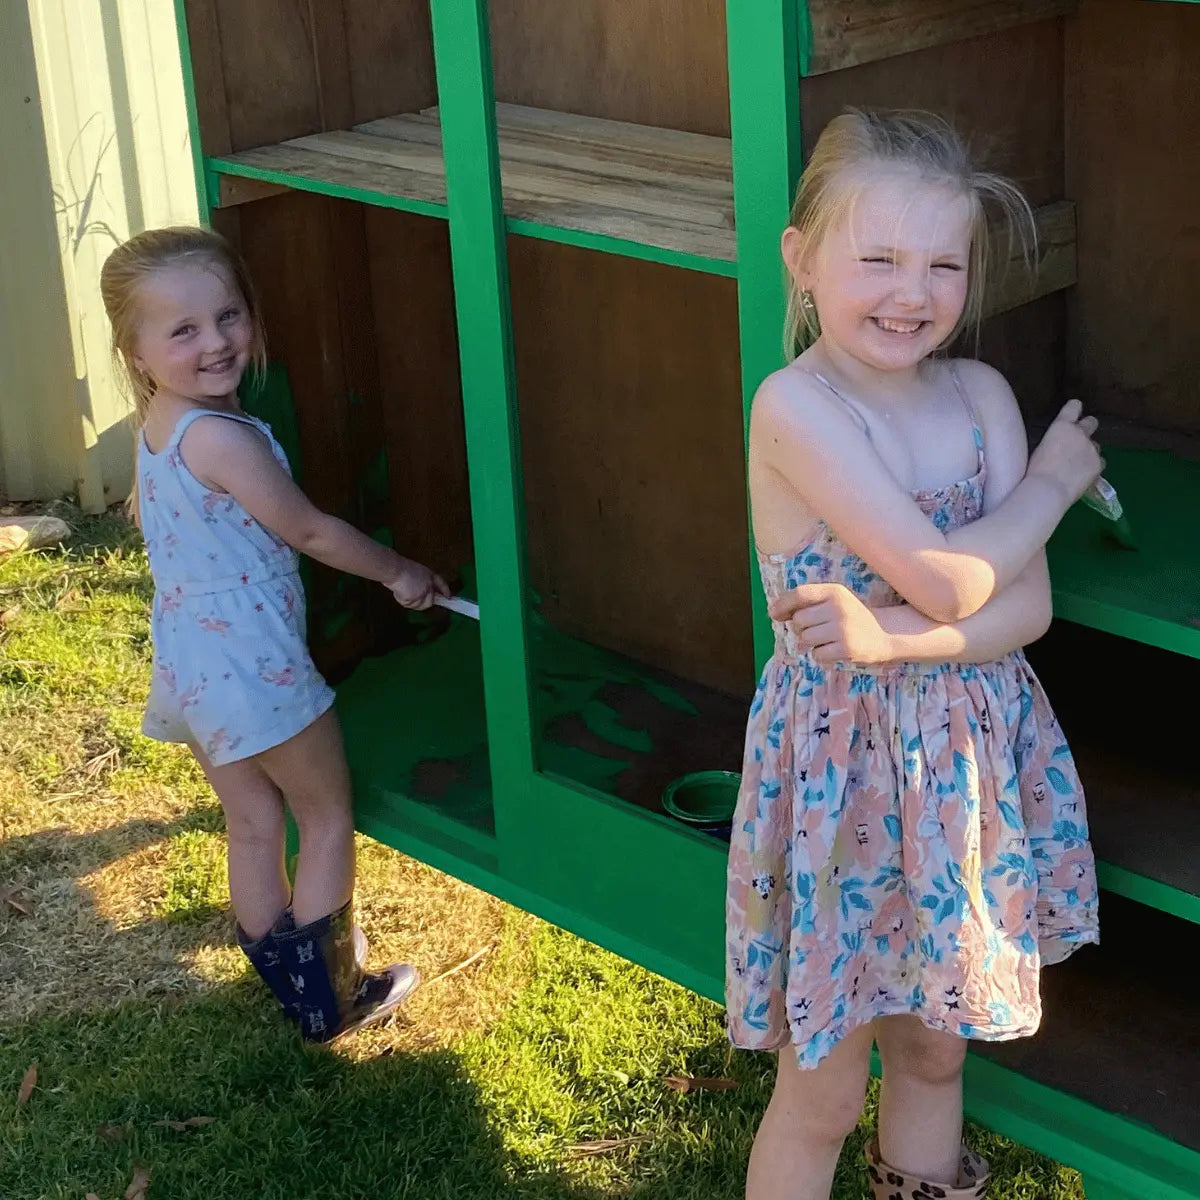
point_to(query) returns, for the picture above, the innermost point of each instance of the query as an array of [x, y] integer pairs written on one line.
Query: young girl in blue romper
[[233, 679]]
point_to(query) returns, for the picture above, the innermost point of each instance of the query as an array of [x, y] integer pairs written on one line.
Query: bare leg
[[798, 1142], [253, 807], [310, 770], [920, 1101]]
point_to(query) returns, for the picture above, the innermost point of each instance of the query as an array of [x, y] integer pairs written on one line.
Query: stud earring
[[807, 302]]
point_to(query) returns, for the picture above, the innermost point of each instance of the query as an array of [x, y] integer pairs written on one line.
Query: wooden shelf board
[[1151, 594], [659, 194], [661, 189]]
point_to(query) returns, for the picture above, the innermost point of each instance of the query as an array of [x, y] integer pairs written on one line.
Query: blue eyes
[[230, 314]]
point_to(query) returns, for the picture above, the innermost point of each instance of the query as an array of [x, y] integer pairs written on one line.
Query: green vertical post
[[764, 112], [462, 54], [193, 116]]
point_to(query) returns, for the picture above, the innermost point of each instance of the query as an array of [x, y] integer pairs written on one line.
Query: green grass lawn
[[536, 1070]]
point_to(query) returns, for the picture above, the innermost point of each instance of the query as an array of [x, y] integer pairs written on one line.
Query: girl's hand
[[415, 586], [1067, 455], [833, 624]]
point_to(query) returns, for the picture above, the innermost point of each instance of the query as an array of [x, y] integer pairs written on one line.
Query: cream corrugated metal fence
[[93, 147]]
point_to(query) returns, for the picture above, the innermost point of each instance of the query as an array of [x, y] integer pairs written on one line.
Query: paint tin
[[704, 800]]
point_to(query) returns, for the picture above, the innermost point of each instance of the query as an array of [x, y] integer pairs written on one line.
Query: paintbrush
[[1102, 497]]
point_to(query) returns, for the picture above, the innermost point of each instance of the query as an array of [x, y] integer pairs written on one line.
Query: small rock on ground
[[31, 532]]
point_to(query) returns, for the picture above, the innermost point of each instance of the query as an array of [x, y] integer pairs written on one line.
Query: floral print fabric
[[232, 672], [907, 840]]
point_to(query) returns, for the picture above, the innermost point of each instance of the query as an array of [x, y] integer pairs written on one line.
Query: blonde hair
[[931, 149], [121, 277]]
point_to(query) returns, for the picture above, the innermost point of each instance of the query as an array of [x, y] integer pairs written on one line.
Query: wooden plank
[[598, 158], [208, 75], [384, 179], [233, 190], [1011, 285], [669, 198], [270, 76], [391, 57], [631, 435], [655, 62], [1133, 114], [847, 33], [421, 395], [331, 62], [653, 139]]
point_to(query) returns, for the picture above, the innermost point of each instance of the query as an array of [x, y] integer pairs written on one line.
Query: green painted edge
[[804, 37], [764, 116], [193, 113], [1151, 892], [607, 244], [372, 801], [1126, 622], [1100, 1144], [479, 259], [571, 791], [1103, 1145], [302, 183]]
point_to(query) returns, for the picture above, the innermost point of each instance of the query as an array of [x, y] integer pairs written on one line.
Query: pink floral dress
[[908, 839], [232, 672]]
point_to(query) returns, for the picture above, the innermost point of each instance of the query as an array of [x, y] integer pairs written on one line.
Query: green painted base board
[[1151, 594]]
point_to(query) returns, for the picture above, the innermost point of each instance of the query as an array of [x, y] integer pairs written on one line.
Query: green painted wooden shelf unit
[[520, 272]]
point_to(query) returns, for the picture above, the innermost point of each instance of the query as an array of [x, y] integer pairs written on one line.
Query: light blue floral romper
[[232, 672]]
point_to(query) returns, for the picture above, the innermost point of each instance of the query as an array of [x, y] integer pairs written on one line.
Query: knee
[[821, 1106], [332, 823], [255, 827], [925, 1055]]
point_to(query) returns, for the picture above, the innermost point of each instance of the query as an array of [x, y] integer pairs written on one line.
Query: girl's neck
[[878, 389]]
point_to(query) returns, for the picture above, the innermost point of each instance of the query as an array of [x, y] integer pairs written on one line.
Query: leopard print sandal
[[888, 1184]]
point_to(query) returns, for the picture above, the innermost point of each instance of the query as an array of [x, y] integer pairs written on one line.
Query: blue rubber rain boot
[[334, 994]]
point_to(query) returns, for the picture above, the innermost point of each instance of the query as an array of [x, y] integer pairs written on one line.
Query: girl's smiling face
[[889, 279], [195, 333]]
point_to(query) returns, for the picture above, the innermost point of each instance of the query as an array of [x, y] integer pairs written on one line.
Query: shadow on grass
[[289, 1121]]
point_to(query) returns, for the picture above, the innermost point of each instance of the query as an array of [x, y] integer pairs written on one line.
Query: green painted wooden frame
[[631, 905]]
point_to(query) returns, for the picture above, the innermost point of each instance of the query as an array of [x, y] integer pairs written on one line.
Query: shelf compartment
[[619, 728], [1151, 594], [627, 185], [1143, 801], [837, 35], [1119, 1028], [416, 733], [417, 739], [608, 185]]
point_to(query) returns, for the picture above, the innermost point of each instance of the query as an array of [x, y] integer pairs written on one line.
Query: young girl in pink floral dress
[[223, 522], [910, 844]]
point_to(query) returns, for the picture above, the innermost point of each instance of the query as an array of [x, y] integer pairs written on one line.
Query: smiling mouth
[[221, 367], [903, 328]]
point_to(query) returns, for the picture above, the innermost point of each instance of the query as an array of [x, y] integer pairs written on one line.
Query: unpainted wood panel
[[421, 396], [270, 72], [390, 46], [208, 75], [1133, 127], [847, 33], [651, 62], [1004, 91], [293, 246], [632, 444]]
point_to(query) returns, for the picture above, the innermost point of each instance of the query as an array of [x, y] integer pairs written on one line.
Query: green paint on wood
[[1151, 594]]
